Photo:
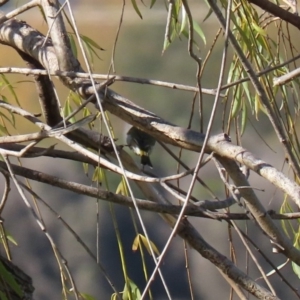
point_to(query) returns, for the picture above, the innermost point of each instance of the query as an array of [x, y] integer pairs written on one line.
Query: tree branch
[[277, 11]]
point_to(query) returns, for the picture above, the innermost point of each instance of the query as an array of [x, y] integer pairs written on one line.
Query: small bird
[[141, 143]]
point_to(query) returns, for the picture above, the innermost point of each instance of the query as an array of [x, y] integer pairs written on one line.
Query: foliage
[[121, 245]]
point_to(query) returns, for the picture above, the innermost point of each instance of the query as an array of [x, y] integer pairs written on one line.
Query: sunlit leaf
[[132, 294], [296, 269], [75, 98], [86, 112], [114, 296], [246, 41], [142, 240], [286, 208], [3, 130], [85, 168], [11, 239], [122, 188], [278, 268], [259, 29], [184, 19], [97, 175]]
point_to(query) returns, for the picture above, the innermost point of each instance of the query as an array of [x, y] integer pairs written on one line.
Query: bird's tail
[[145, 160]]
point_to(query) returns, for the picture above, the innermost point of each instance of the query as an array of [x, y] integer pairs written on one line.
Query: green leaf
[[67, 110], [86, 112], [91, 47], [98, 175], [166, 44], [11, 89], [247, 92], [73, 44], [131, 291], [87, 297], [208, 15], [142, 240], [258, 29], [3, 130], [75, 98], [11, 239], [237, 102], [296, 269], [114, 296], [89, 52], [152, 3], [85, 168], [91, 42], [198, 29], [122, 188], [8, 279], [184, 20], [242, 32], [244, 118], [12, 119], [136, 8], [3, 296]]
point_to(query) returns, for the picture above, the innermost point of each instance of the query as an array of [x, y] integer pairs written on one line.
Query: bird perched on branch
[[141, 143]]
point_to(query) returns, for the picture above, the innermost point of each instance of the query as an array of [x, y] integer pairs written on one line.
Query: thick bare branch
[[59, 36]]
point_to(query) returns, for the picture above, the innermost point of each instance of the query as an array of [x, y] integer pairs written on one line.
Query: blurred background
[[138, 54]]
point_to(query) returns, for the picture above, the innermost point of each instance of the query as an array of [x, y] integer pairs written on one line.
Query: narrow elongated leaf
[[244, 118], [87, 297], [91, 42], [73, 45], [132, 294], [184, 19], [208, 15], [296, 269], [11, 88], [152, 3], [278, 268], [259, 29], [136, 8], [3, 296], [142, 240], [98, 175], [200, 32], [75, 98], [9, 279]]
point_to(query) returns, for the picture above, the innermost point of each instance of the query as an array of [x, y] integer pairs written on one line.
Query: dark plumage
[[141, 143]]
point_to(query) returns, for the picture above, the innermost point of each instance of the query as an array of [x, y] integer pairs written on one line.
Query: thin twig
[[71, 74]]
